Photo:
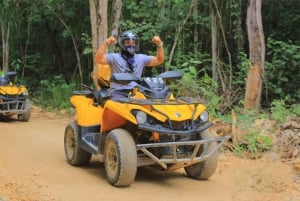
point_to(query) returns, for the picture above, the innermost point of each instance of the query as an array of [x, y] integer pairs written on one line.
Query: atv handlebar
[[11, 73], [171, 75], [125, 78]]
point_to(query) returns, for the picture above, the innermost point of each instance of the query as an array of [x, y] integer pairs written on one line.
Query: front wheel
[[204, 169], [74, 154], [26, 115], [120, 158]]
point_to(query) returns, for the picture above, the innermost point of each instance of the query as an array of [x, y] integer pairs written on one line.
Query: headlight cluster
[[141, 117], [204, 116], [25, 93]]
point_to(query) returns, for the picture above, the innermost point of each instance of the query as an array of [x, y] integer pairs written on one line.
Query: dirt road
[[33, 168]]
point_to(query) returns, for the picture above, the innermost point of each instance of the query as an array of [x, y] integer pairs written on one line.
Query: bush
[[282, 70], [280, 111], [204, 87], [55, 93], [251, 142]]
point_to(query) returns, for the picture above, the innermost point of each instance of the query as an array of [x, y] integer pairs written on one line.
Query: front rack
[[179, 162], [176, 101], [16, 107]]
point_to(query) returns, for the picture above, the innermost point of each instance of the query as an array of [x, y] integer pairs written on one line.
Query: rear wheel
[[74, 154], [205, 169], [26, 115], [120, 158]]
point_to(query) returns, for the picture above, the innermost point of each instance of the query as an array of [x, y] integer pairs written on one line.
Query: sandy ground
[[33, 168]]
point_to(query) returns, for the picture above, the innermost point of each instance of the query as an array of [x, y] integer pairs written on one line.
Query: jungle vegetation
[[50, 44]]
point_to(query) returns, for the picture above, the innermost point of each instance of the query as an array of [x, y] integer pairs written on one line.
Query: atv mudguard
[[87, 113], [12, 90]]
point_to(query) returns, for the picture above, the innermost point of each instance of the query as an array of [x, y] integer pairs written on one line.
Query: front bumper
[[13, 107], [177, 159]]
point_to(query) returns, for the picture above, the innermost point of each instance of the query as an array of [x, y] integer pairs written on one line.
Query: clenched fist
[[157, 41], [111, 40]]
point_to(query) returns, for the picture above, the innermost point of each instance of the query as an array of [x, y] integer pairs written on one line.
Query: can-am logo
[[177, 114]]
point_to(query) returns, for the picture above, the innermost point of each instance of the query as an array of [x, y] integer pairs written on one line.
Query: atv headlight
[[25, 93], [141, 117], [204, 116]]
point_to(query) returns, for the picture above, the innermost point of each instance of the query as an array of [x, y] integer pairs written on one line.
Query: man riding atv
[[127, 61], [139, 122]]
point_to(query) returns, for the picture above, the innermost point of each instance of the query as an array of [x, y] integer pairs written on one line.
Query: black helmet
[[129, 35]]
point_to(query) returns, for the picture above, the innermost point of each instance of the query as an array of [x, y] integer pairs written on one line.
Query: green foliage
[[253, 144], [55, 93], [192, 86], [250, 141], [246, 119], [88, 42], [282, 70], [42, 47], [280, 19], [280, 111], [243, 66], [28, 70], [295, 109]]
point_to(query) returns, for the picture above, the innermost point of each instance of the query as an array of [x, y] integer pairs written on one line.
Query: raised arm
[[100, 57], [159, 58]]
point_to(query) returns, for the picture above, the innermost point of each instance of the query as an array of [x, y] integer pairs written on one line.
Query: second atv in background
[[13, 98]]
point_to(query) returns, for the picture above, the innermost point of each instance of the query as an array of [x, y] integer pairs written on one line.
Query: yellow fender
[[13, 90], [87, 113]]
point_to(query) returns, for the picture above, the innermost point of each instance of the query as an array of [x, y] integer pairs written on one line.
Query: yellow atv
[[149, 127], [13, 98]]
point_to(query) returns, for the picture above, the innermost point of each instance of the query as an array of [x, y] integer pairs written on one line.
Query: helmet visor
[[128, 42]]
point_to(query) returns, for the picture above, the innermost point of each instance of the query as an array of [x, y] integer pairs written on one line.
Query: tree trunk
[[257, 56], [99, 26], [98, 16], [214, 38], [5, 44], [239, 30], [117, 8], [196, 34], [93, 18]]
